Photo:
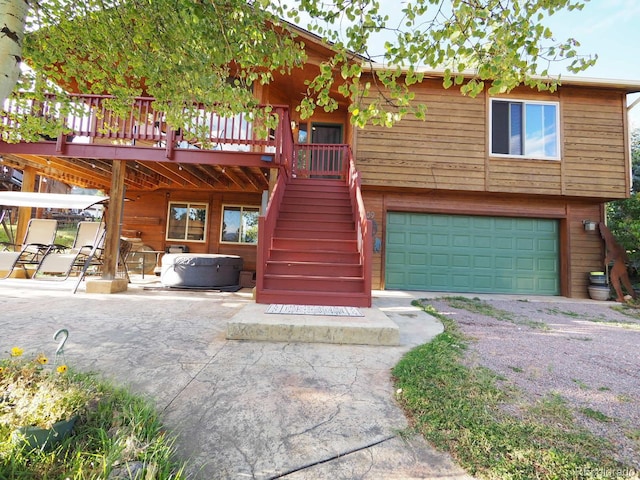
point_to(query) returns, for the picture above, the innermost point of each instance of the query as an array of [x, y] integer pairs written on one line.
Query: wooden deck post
[[24, 213], [109, 283]]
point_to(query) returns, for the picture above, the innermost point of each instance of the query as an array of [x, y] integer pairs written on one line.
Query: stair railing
[[320, 160], [364, 226], [268, 218]]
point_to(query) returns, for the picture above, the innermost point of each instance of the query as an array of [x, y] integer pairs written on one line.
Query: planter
[[33, 438], [599, 292], [597, 278]]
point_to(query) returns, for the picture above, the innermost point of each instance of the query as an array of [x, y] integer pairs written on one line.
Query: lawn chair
[[38, 241], [86, 251]]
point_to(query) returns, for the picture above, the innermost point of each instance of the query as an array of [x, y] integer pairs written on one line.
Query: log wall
[[145, 218]]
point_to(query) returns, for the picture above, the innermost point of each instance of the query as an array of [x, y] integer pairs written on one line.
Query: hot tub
[[200, 270]]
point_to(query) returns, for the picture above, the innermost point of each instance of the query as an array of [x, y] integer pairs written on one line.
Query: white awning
[[49, 200]]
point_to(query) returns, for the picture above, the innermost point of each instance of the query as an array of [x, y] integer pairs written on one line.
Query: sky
[[610, 29]]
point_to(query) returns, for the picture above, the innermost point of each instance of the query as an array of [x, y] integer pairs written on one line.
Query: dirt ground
[[587, 352]]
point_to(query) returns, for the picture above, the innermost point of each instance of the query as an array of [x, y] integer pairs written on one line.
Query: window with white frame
[[187, 221], [525, 129], [239, 224]]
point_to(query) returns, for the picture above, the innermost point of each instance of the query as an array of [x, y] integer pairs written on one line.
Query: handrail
[[266, 230], [364, 226], [321, 160], [268, 218], [89, 116], [285, 135]]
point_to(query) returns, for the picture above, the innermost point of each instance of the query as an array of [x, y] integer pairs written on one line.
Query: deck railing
[[90, 117], [320, 160]]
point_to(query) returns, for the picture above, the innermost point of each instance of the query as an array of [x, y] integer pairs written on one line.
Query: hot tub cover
[[200, 270]]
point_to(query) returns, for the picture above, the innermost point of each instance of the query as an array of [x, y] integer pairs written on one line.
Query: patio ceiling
[[143, 175]]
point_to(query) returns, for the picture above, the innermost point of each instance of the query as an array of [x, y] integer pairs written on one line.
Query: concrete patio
[[239, 408]]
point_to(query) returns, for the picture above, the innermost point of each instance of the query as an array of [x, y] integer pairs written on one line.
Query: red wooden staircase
[[315, 255]]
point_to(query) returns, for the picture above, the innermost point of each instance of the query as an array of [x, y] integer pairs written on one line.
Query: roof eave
[[629, 86]]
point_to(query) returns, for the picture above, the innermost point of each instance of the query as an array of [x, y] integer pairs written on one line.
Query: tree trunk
[[13, 14]]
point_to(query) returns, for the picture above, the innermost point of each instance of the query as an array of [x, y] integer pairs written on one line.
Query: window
[[525, 129], [187, 221], [239, 224]]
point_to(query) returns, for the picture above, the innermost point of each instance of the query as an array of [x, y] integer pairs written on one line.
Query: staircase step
[[309, 183], [313, 283], [309, 209], [319, 201], [313, 245], [304, 216], [331, 192], [314, 233], [314, 298], [324, 185], [313, 268], [317, 224], [319, 256]]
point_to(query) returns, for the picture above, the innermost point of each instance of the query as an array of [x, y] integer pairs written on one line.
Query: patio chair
[[86, 251], [38, 241]]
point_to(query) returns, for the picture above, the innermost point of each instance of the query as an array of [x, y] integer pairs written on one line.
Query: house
[[491, 194]]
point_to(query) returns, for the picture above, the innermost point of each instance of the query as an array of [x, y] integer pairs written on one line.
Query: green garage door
[[460, 253]]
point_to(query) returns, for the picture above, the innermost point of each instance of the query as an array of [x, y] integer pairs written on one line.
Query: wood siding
[[449, 151], [595, 148], [145, 220], [580, 251], [585, 250]]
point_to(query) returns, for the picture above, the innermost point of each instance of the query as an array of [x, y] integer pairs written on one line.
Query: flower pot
[[599, 292], [32, 438], [597, 278]]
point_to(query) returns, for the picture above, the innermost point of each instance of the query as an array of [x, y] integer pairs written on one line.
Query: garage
[[471, 254]]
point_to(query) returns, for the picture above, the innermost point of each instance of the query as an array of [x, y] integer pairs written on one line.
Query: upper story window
[[187, 221], [239, 224], [525, 129]]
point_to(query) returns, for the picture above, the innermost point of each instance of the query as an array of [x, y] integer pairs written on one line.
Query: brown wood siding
[[145, 218], [595, 157], [586, 249], [376, 213], [449, 151], [536, 176], [580, 251], [436, 153]]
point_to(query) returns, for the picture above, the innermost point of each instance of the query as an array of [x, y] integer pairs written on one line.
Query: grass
[[64, 236], [118, 430], [626, 309], [581, 385], [595, 415], [461, 410], [475, 305], [630, 309], [566, 313]]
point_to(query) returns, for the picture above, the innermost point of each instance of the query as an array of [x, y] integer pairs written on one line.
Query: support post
[[273, 178], [24, 213], [109, 283]]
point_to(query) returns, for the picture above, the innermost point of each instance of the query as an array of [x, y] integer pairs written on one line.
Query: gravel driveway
[[587, 352]]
